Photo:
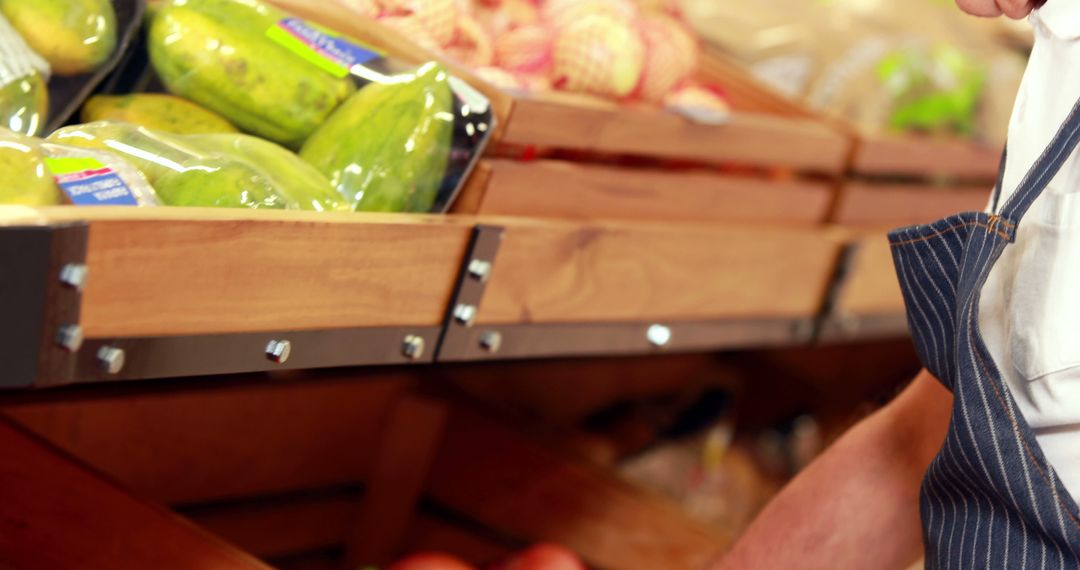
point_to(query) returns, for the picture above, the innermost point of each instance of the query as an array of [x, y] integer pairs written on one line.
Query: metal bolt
[[658, 335], [491, 341], [465, 314], [480, 270], [413, 347], [111, 359], [74, 275], [70, 337], [278, 351]]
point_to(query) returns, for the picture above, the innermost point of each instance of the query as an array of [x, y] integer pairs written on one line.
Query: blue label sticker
[[88, 182], [329, 51]]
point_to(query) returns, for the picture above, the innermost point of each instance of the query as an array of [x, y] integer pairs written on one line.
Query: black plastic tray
[[67, 94]]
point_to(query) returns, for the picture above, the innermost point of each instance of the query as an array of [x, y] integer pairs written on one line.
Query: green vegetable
[[387, 147], [217, 53], [24, 104], [24, 180], [157, 112], [74, 36]]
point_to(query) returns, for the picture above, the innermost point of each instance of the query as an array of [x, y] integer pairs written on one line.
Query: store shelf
[[926, 158], [883, 205], [573, 191], [572, 122], [186, 292], [586, 289], [866, 301]]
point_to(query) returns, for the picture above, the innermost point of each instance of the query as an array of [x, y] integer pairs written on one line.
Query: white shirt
[[1029, 312]]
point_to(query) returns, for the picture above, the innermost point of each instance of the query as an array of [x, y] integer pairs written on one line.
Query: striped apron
[[989, 499]]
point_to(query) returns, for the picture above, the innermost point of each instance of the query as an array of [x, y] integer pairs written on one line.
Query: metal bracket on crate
[[603, 339], [42, 274], [837, 325], [457, 337], [173, 357]]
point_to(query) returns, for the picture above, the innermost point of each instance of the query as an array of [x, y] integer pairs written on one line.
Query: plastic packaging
[[391, 137], [157, 112], [211, 170], [37, 173], [24, 95], [387, 147], [74, 36], [24, 180]]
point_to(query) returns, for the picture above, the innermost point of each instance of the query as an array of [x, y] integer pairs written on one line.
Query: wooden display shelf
[[591, 125], [189, 292], [926, 158], [880, 205], [611, 288], [574, 191], [866, 300]]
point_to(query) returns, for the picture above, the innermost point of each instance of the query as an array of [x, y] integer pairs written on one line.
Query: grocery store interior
[[459, 284]]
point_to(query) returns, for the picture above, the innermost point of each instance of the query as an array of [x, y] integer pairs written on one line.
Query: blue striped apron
[[990, 499]]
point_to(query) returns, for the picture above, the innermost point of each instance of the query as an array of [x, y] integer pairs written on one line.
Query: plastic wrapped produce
[[157, 112], [24, 179], [386, 148], [211, 170], [221, 54], [74, 36], [24, 96], [37, 173]]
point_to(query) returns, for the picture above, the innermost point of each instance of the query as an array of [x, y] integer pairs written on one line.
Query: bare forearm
[[856, 506]]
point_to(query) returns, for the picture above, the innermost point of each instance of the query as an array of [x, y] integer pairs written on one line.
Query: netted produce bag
[[24, 93], [211, 170], [390, 137]]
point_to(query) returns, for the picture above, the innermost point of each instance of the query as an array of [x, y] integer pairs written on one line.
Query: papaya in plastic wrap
[[387, 147], [157, 112], [24, 94], [74, 36], [211, 170], [217, 53], [23, 178]]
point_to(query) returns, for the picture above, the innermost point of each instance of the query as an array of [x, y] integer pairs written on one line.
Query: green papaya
[[24, 104], [23, 178], [387, 147], [157, 112], [214, 170], [74, 36], [218, 183], [296, 180], [217, 53]]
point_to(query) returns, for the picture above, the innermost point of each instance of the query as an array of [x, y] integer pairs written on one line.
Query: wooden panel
[[282, 527], [152, 276], [752, 139], [57, 514], [200, 445], [872, 287], [507, 482], [554, 189], [898, 204], [588, 273], [406, 449], [918, 156]]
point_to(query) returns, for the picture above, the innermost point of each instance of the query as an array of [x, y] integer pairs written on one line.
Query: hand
[[992, 8]]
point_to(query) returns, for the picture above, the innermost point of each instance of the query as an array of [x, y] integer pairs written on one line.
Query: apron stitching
[[1023, 441], [949, 229]]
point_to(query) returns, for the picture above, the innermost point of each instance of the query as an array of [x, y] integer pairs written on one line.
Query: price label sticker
[[324, 49], [89, 182]]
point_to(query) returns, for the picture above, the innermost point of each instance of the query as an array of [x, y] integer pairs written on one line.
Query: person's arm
[[857, 506]]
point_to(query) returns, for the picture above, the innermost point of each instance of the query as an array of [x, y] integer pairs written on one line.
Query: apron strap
[[1045, 168]]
